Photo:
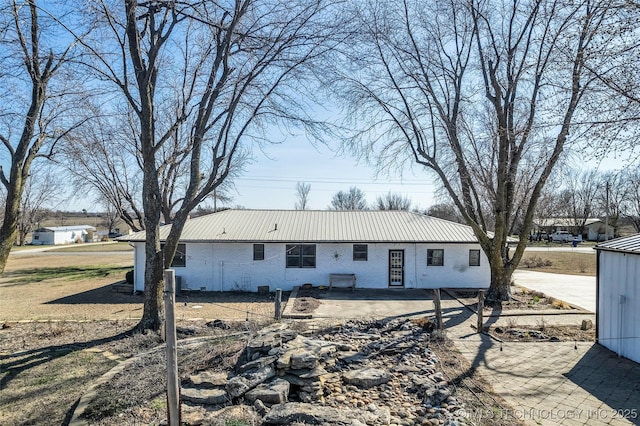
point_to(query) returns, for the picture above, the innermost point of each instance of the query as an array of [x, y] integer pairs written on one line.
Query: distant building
[[54, 235], [593, 229]]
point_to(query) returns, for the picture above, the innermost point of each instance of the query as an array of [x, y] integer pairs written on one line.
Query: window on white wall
[[258, 252], [180, 258], [474, 257], [360, 252], [435, 257], [301, 255]]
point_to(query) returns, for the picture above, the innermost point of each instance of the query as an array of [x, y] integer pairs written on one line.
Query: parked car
[[565, 237], [539, 236]]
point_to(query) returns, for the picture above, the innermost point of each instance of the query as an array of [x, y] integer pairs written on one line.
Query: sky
[[270, 181]]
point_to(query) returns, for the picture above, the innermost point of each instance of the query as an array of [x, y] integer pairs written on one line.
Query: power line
[[339, 180]]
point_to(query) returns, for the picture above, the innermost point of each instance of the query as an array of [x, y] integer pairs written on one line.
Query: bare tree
[[35, 71], [611, 197], [353, 199], [579, 198], [110, 214], [200, 79], [393, 201], [484, 94], [101, 159], [40, 193], [632, 200], [302, 195], [446, 211]]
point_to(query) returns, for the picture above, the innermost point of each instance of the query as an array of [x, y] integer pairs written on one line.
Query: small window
[[474, 257], [36, 237], [258, 252], [301, 256], [180, 259], [435, 257], [360, 252]]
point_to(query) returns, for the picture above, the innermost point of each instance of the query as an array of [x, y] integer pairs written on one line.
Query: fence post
[[480, 324], [173, 387], [438, 308], [278, 310]]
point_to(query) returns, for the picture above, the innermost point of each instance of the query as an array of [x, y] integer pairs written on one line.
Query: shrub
[[129, 277], [536, 262]]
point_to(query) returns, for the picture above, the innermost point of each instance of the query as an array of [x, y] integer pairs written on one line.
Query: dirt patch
[[522, 299], [306, 301], [543, 333]]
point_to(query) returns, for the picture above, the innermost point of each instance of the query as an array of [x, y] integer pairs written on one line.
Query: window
[[474, 257], [180, 258], [258, 252], [360, 252], [301, 256], [435, 257]]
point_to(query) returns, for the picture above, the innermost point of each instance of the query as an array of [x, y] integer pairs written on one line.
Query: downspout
[[221, 275], [415, 265]]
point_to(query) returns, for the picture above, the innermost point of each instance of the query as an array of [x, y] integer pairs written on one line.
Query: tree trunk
[[9, 228], [500, 287], [153, 311]]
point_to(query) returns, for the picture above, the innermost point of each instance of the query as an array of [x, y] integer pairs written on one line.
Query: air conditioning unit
[[181, 284]]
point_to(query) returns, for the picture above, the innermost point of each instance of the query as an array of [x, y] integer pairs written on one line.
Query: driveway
[[574, 289]]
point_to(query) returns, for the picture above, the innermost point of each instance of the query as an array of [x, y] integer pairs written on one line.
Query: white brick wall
[[230, 266]]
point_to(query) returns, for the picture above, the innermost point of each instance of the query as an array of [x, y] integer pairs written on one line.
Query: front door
[[396, 268]]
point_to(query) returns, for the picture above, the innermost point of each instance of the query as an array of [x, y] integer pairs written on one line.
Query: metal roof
[[317, 226], [565, 221], [66, 228], [629, 244]]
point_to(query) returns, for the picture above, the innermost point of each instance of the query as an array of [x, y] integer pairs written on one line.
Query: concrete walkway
[[554, 383], [575, 289]]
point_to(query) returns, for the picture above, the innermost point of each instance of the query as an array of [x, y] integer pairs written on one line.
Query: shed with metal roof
[[246, 249], [618, 296], [52, 235]]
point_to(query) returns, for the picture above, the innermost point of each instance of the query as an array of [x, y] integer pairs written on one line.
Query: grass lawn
[[559, 262]]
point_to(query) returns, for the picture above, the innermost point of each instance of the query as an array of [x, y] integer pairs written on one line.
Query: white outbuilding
[[246, 249], [618, 296], [62, 235]]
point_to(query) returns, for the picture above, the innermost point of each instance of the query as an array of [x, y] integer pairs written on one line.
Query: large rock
[[239, 385], [311, 414], [274, 392], [208, 379], [303, 359], [286, 414], [258, 363], [204, 396], [366, 377]]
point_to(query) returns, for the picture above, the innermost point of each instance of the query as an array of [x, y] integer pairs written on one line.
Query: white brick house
[[245, 249]]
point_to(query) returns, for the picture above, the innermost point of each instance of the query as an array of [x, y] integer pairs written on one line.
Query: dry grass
[[41, 387], [137, 395], [560, 262]]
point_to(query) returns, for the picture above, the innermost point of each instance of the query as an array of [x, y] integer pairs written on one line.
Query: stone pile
[[360, 373]]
